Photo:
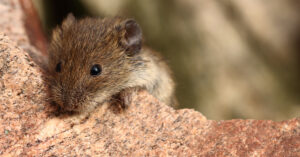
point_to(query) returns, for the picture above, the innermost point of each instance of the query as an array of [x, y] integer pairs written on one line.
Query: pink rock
[[29, 125]]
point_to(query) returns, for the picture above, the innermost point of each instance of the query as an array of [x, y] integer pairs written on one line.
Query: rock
[[12, 25], [23, 94], [29, 125]]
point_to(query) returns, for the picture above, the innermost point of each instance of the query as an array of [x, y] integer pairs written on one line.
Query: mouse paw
[[123, 99]]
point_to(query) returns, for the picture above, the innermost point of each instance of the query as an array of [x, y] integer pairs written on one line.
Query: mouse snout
[[72, 101], [68, 105]]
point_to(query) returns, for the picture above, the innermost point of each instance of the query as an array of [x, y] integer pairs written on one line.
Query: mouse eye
[[96, 70], [58, 67]]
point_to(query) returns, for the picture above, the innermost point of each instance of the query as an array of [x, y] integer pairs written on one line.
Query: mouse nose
[[71, 101], [67, 105]]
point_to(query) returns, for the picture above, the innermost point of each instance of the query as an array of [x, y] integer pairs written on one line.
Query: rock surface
[[29, 125], [12, 25]]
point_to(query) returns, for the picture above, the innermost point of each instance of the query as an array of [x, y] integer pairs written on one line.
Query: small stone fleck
[[6, 132]]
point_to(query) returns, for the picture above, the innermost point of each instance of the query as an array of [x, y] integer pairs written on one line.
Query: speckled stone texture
[[29, 125], [12, 25]]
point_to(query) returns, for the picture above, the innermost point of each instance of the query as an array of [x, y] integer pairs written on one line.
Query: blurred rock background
[[231, 59]]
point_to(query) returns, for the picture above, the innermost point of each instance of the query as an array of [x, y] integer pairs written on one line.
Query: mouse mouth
[[69, 107], [76, 105]]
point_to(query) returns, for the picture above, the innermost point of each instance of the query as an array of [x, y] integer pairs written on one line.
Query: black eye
[[96, 70], [58, 67]]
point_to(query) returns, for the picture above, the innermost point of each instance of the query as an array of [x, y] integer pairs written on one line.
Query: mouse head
[[91, 59]]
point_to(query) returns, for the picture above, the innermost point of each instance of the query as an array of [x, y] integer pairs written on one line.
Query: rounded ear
[[132, 40], [57, 33], [68, 21]]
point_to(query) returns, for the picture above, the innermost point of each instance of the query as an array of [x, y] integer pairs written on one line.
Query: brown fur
[[79, 44]]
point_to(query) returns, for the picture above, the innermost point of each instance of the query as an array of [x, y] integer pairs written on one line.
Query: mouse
[[91, 60]]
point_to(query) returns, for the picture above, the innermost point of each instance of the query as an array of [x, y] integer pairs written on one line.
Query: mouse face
[[90, 60]]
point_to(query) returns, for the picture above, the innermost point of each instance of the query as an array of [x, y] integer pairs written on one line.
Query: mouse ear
[[57, 33], [132, 40], [68, 21]]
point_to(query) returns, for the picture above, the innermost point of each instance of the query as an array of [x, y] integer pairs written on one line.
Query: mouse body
[[92, 59]]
